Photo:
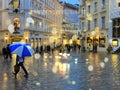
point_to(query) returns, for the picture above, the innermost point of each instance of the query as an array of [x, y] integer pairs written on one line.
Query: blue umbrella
[[22, 50]]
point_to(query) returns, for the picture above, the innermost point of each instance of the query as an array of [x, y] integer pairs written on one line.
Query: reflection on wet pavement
[[62, 71]]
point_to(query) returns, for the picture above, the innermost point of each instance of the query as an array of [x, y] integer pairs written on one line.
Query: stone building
[[30, 21], [95, 16], [70, 23]]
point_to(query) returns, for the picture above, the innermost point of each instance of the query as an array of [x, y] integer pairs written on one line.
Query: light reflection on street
[[76, 72]]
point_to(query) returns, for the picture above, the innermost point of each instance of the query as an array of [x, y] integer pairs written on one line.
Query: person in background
[[8, 52], [4, 52]]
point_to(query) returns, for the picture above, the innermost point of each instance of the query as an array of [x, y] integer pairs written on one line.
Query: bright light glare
[[73, 82], [106, 59], [87, 60], [37, 56], [102, 64], [90, 68]]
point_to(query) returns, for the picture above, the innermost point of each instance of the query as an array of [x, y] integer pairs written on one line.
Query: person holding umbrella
[[22, 51], [19, 62]]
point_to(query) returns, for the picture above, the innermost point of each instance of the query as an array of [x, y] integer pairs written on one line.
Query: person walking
[[20, 62], [4, 52], [8, 52]]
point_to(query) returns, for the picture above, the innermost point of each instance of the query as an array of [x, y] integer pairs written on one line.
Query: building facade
[[94, 16], [114, 30], [70, 23], [32, 21]]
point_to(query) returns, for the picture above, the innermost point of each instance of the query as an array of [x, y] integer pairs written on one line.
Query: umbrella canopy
[[22, 50]]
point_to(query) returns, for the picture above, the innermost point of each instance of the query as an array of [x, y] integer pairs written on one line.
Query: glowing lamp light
[[51, 39], [93, 32], [30, 20], [11, 28]]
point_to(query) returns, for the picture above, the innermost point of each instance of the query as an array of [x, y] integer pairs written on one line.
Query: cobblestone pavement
[[79, 71]]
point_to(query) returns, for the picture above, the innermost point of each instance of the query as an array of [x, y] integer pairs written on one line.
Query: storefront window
[[115, 42], [102, 42]]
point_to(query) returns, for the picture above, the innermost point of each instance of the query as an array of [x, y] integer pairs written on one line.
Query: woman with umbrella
[[22, 51]]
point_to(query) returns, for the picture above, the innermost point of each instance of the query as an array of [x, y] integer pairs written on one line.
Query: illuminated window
[[115, 42]]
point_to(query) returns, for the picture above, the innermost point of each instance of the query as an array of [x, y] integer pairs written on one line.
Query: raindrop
[[106, 59], [90, 68], [76, 62], [76, 59], [37, 56], [102, 64], [90, 89], [73, 82], [60, 54], [87, 60], [38, 84], [68, 54]]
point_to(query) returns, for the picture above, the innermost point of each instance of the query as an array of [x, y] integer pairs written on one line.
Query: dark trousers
[[24, 69]]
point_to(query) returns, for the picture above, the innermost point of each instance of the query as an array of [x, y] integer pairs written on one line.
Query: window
[[89, 9], [83, 11], [116, 28], [103, 22], [95, 23], [88, 25], [103, 4], [82, 25], [95, 7]]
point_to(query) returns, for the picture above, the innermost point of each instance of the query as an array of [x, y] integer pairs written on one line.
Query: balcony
[[82, 16]]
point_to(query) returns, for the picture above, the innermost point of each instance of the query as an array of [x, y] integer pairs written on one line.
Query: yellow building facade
[[35, 22], [94, 17]]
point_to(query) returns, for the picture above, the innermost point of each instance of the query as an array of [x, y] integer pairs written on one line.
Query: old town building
[[94, 16], [33, 21]]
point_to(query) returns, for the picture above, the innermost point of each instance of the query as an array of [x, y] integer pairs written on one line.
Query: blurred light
[[11, 28], [76, 59], [106, 59], [38, 84], [68, 54], [90, 68], [73, 82], [6, 38], [102, 64], [60, 54], [26, 24], [76, 62], [64, 54], [90, 89], [87, 60], [30, 20], [37, 56]]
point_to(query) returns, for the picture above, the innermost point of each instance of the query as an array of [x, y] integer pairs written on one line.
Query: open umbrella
[[22, 50]]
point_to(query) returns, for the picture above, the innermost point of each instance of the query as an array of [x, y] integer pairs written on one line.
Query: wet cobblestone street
[[79, 71]]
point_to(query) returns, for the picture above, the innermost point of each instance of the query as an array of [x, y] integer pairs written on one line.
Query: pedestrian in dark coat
[[8, 52], [20, 62], [4, 52]]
